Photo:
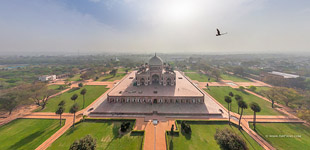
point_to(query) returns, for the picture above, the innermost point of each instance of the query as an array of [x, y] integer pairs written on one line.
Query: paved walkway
[[69, 121]]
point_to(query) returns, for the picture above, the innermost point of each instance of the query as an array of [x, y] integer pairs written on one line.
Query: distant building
[[283, 75], [47, 78]]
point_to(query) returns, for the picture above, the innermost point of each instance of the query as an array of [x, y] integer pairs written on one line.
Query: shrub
[[252, 88], [85, 143], [229, 140], [125, 126], [81, 85], [241, 88], [186, 127]]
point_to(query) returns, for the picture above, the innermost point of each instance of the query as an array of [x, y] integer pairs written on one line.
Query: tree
[[40, 94], [62, 103], [229, 140], [113, 72], [228, 101], [125, 126], [60, 111], [172, 130], [80, 85], [216, 74], [9, 103], [241, 88], [83, 92], [288, 95], [73, 110], [271, 94], [231, 94], [256, 108], [74, 97], [239, 71], [252, 88], [85, 143], [242, 105], [238, 98]]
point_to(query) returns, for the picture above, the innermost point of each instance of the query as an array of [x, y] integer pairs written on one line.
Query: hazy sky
[[148, 26]]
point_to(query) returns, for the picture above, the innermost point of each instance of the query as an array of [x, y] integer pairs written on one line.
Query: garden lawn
[[189, 70], [199, 77], [93, 92], [27, 133], [219, 92], [110, 77], [202, 136], [105, 133], [56, 87], [234, 78], [75, 78], [285, 135], [123, 70], [261, 88]]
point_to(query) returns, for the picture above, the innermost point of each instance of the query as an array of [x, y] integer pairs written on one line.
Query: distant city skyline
[[139, 26]]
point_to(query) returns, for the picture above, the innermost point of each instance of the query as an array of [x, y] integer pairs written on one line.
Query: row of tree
[[241, 105]]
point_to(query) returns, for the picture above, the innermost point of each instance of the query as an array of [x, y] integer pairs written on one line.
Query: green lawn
[[189, 70], [219, 92], [261, 88], [75, 78], [288, 136], [234, 78], [123, 69], [93, 92], [202, 136], [56, 87], [199, 77], [105, 133], [109, 77], [27, 133]]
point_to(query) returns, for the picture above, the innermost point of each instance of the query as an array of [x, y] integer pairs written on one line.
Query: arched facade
[[155, 72]]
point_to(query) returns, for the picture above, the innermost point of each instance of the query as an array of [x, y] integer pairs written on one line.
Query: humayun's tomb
[[156, 82]]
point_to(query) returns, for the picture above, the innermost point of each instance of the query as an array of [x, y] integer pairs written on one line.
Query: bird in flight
[[219, 33]]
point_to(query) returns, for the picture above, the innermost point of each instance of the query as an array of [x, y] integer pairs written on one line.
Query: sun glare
[[179, 10]]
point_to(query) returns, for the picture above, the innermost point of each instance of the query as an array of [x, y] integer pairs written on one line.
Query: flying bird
[[219, 33]]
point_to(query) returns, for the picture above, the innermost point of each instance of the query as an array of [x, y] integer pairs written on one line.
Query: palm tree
[[62, 103], [238, 98], [228, 101], [231, 94], [256, 108], [59, 112], [74, 97], [83, 92], [243, 105], [73, 110]]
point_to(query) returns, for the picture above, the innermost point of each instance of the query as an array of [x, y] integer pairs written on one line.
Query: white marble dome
[[155, 61]]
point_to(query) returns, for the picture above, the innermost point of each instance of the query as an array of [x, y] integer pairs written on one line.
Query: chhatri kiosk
[[153, 83]]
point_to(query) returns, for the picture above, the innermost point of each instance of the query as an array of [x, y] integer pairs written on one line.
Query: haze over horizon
[[174, 26]]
